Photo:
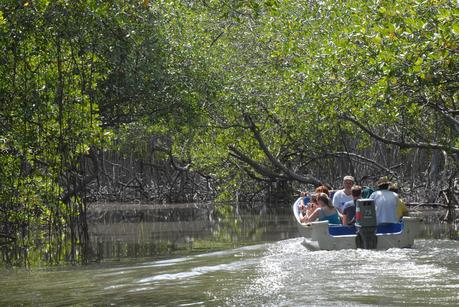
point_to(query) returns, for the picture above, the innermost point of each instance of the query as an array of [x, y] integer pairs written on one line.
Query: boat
[[322, 236]]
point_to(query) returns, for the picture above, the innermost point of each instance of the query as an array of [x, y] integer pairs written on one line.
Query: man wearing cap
[[385, 202], [343, 196]]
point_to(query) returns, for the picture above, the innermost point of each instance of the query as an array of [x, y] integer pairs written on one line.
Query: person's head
[[314, 198], [324, 201], [383, 183], [356, 192], [313, 201], [348, 182], [322, 189], [394, 187]]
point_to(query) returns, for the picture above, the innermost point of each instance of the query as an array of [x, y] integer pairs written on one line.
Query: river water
[[262, 263]]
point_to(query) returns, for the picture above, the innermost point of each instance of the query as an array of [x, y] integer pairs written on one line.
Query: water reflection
[[144, 231], [246, 256], [136, 231], [234, 256]]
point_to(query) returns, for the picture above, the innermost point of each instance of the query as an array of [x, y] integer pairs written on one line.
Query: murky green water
[[260, 263]]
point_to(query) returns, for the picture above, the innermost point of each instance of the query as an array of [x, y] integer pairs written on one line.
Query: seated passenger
[[322, 189], [386, 202], [308, 208], [402, 210], [349, 207], [305, 199], [341, 197], [325, 212]]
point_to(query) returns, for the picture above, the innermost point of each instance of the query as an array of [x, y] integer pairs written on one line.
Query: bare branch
[[274, 161], [259, 168], [401, 144], [443, 111], [357, 156], [252, 175]]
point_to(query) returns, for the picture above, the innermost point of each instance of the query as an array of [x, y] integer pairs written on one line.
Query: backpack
[[366, 192]]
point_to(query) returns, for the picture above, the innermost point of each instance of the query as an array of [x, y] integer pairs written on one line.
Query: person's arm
[[304, 211], [340, 214], [313, 216], [302, 205], [373, 195], [403, 206], [402, 210], [343, 217], [304, 217]]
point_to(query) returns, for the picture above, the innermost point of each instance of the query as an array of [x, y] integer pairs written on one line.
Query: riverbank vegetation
[[181, 101]]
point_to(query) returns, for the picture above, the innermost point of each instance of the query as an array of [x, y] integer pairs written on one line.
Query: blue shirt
[[349, 211]]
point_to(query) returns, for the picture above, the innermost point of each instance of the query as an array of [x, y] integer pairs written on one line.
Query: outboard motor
[[365, 222]]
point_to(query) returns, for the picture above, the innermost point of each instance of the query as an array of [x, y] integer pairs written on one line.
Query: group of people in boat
[[339, 207]]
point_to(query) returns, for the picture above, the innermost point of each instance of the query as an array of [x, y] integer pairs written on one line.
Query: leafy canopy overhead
[[309, 78]]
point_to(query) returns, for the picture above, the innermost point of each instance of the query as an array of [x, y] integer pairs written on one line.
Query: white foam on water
[[287, 274], [198, 271]]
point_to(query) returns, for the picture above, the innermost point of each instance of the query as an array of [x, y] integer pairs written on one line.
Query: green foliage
[[210, 79], [68, 69], [296, 68]]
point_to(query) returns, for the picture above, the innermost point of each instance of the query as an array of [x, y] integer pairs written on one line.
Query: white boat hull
[[321, 239], [317, 234]]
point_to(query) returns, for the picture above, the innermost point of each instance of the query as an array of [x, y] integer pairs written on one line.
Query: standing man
[[385, 202], [343, 196]]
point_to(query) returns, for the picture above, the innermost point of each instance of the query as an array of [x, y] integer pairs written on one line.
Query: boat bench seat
[[340, 230], [390, 228]]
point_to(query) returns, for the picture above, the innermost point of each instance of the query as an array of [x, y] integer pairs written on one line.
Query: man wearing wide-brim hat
[[385, 202]]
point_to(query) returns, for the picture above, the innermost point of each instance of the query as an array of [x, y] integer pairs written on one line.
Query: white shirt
[[386, 206], [340, 198]]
